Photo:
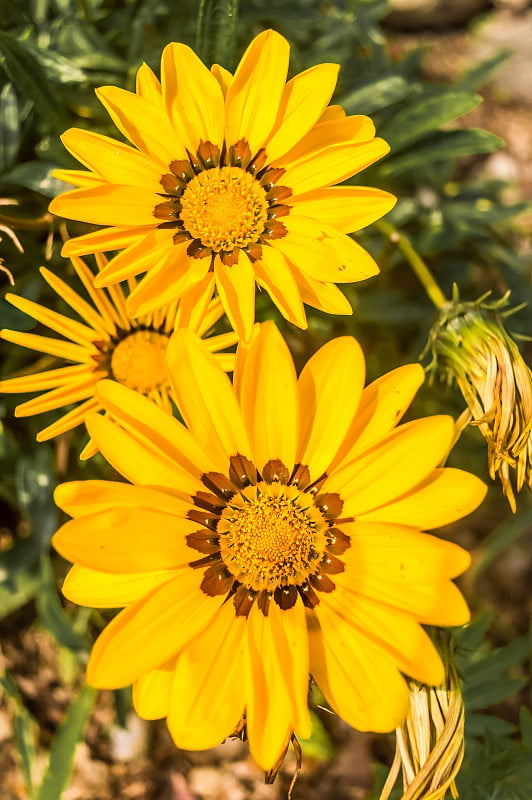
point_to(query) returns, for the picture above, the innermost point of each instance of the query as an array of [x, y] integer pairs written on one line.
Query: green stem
[[216, 31], [404, 245]]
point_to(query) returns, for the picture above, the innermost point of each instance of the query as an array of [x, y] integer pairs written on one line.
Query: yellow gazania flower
[[230, 182], [277, 535], [108, 344]]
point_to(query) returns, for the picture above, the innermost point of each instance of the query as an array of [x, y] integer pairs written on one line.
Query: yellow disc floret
[[224, 208], [274, 536], [139, 361]]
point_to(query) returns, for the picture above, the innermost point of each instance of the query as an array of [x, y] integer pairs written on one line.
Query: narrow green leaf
[[376, 95], [37, 176], [17, 591], [525, 724], [64, 746], [23, 729], [443, 146], [216, 31], [503, 537], [9, 127], [476, 77], [319, 745], [35, 482], [51, 613], [56, 67], [425, 116]]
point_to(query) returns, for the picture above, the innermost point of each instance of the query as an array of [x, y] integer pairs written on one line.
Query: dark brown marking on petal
[[209, 154], [338, 541], [275, 470], [164, 211], [274, 230], [180, 236], [230, 259], [331, 565], [253, 251], [300, 476], [308, 595], [270, 177], [278, 193], [210, 502], [203, 542], [316, 485], [344, 520], [239, 154], [172, 184], [285, 597], [182, 170], [322, 582], [195, 163], [217, 580], [219, 484], [263, 601], [242, 472], [243, 600], [258, 163], [213, 558], [278, 211], [197, 249], [330, 504], [207, 520]]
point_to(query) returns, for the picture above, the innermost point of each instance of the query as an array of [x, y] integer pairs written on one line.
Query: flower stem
[[404, 245], [216, 31]]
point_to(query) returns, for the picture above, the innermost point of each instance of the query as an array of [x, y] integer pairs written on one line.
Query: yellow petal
[[236, 288], [78, 177], [332, 165], [346, 208], [155, 429], [78, 304], [269, 398], [62, 396], [108, 205], [90, 587], [393, 467], [144, 253], [321, 295], [147, 634], [148, 86], [445, 496], [400, 637], [43, 380], [223, 76], [193, 97], [193, 311], [104, 240], [73, 418], [382, 405], [167, 280], [329, 386], [78, 498], [358, 678], [302, 103], [208, 694], [116, 162], [151, 692], [332, 129], [273, 274], [53, 347], [205, 397], [127, 540], [69, 328], [143, 123], [254, 95]]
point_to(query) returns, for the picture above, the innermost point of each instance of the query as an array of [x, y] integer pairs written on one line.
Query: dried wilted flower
[[471, 345], [430, 743]]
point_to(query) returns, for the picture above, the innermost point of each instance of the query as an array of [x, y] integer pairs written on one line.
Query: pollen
[[225, 208], [271, 536], [139, 361]]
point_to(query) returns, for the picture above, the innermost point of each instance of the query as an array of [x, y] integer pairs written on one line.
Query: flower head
[[471, 345], [276, 534], [107, 344], [229, 183]]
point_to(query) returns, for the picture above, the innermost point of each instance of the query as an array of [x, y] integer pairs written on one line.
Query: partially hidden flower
[[471, 345], [277, 534], [228, 184], [107, 343]]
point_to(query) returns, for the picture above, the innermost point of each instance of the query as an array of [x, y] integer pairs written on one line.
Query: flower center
[[224, 207], [271, 535], [139, 361]]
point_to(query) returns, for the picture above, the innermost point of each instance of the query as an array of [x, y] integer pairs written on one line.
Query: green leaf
[[443, 146], [26, 75], [477, 76], [376, 95], [501, 538], [425, 116], [56, 67], [37, 176], [319, 745], [216, 31], [51, 613], [63, 750], [10, 127], [17, 591], [35, 482], [23, 729]]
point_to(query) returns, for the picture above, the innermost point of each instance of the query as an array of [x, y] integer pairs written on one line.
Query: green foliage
[[52, 56]]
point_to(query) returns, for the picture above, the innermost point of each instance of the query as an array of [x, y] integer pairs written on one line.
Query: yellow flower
[[277, 535], [230, 182], [107, 344]]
